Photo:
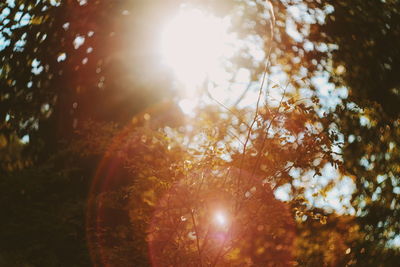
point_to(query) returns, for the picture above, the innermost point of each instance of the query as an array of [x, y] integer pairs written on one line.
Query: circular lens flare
[[220, 218]]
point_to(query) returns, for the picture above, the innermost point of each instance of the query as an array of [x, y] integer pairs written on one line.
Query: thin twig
[[266, 67], [197, 237]]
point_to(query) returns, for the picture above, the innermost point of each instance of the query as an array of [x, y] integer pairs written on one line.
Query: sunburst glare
[[193, 45]]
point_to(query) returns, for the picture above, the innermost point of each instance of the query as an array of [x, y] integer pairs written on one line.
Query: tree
[[68, 83], [366, 34], [203, 195], [62, 63], [59, 67], [366, 60], [43, 210]]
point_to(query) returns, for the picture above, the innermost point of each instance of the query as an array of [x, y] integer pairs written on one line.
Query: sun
[[193, 45]]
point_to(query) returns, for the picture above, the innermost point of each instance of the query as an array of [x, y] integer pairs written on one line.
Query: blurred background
[[105, 107]]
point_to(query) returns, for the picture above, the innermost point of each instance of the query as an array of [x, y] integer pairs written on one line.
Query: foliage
[[330, 244], [370, 156], [176, 190], [61, 64], [43, 210], [179, 179], [366, 60], [366, 33]]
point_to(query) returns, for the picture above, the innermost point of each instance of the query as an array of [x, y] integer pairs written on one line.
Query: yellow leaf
[[149, 197], [233, 254], [3, 141]]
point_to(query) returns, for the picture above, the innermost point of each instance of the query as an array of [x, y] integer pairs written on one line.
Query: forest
[[199, 133]]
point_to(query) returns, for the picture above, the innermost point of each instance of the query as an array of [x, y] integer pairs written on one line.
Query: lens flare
[[220, 218]]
